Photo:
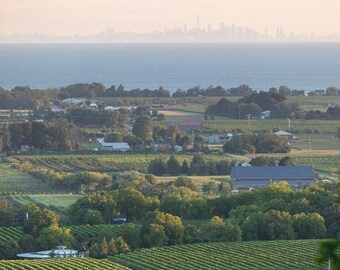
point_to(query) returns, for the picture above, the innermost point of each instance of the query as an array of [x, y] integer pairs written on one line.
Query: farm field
[[198, 180], [298, 126], [100, 163], [14, 233], [56, 202], [12, 180], [65, 264], [269, 255]]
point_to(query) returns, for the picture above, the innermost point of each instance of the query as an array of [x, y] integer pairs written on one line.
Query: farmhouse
[[122, 146], [160, 146], [288, 136], [214, 138], [265, 175], [187, 125]]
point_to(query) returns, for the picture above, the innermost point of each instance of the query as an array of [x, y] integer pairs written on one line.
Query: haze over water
[[306, 66]]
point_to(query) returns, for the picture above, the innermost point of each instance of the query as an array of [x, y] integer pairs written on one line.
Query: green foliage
[[53, 236], [263, 161], [38, 219], [328, 253], [256, 143], [161, 229], [142, 127], [173, 166], [6, 213], [102, 204], [96, 117], [309, 226], [218, 230]]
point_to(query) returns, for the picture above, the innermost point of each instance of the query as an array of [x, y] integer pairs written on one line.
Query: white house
[[214, 138], [178, 148], [121, 146], [265, 114], [93, 105]]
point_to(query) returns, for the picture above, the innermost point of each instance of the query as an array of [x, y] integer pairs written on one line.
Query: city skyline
[[86, 18], [198, 33]]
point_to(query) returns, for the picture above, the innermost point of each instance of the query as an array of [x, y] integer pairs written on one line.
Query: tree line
[[23, 97], [254, 104]]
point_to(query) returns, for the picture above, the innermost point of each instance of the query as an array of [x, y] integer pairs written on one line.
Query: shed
[[284, 134], [264, 175], [121, 146]]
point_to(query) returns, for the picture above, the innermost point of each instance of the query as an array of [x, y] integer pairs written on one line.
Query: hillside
[[269, 255]]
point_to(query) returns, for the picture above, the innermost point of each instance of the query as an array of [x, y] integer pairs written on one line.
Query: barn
[[265, 175]]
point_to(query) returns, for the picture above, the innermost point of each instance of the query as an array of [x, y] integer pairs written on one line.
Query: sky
[[83, 17]]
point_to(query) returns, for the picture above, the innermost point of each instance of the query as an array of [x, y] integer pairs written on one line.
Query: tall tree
[[142, 127]]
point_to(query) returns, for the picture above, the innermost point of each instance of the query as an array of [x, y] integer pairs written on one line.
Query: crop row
[[14, 233], [269, 255], [61, 264]]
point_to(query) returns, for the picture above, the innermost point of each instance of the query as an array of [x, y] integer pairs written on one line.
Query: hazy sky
[[65, 17]]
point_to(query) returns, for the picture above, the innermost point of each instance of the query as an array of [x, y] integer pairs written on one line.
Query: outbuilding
[[121, 146], [266, 175]]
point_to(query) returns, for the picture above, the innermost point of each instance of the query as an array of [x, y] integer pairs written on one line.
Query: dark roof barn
[[264, 175]]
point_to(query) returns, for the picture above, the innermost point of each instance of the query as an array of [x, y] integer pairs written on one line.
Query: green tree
[[158, 166], [218, 230], [9, 250], [131, 234], [286, 161], [121, 246], [328, 253], [112, 249], [173, 166], [104, 248], [53, 236], [160, 228], [132, 203], [6, 214], [142, 127], [309, 226], [37, 220], [263, 161], [93, 217]]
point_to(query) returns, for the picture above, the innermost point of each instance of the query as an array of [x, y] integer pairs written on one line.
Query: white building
[[214, 138], [59, 252], [121, 146]]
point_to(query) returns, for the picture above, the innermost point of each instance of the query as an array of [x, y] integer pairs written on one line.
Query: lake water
[[307, 66]]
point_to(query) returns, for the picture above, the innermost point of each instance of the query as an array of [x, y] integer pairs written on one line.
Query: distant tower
[[198, 21]]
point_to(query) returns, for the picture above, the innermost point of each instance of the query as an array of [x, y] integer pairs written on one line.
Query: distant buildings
[[266, 175], [116, 146], [286, 135], [59, 252], [160, 146], [187, 125]]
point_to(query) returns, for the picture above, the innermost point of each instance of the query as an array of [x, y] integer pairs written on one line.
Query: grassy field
[[55, 201], [12, 180], [65, 264], [269, 255], [199, 181]]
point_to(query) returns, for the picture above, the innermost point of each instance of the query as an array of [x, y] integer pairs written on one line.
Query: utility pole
[[248, 115], [288, 123]]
